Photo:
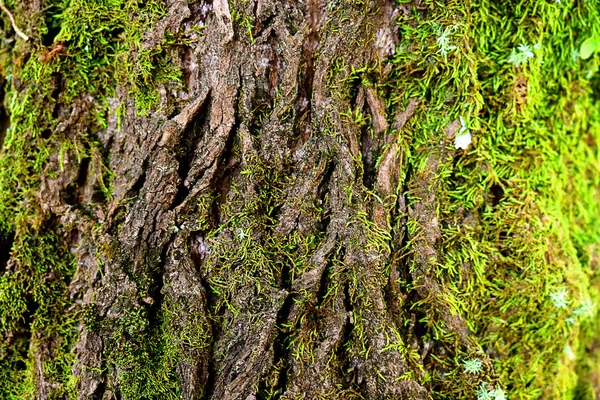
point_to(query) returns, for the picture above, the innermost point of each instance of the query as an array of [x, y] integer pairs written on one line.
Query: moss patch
[[103, 48]]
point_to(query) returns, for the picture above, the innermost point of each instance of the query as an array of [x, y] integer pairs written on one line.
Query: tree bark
[[281, 222]]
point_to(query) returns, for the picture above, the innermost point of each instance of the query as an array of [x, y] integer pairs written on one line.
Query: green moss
[[145, 347], [518, 211], [143, 358], [35, 317], [103, 42], [241, 15], [529, 182]]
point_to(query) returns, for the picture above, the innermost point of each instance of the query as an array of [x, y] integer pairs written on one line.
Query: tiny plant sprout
[[498, 394], [443, 41], [559, 298], [473, 365], [520, 55], [570, 321], [485, 392], [585, 309], [463, 138]]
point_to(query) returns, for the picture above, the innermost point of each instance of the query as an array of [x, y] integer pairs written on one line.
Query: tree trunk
[[318, 199]]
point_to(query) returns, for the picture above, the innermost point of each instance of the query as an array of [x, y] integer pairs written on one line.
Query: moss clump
[[37, 324], [518, 210], [103, 41], [144, 357]]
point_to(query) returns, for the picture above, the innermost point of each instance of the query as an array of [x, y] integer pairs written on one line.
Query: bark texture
[[262, 154]]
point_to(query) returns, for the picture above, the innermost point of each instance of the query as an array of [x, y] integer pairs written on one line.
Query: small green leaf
[[589, 46]]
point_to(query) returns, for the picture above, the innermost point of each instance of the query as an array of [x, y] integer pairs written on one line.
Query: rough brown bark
[[249, 214]]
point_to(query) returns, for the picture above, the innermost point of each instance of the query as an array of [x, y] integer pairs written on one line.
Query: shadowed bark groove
[[5, 246], [4, 119]]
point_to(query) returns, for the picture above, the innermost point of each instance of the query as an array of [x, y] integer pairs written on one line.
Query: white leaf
[[463, 141], [463, 138]]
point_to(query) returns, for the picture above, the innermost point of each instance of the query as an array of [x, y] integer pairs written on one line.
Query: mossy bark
[[264, 200]]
